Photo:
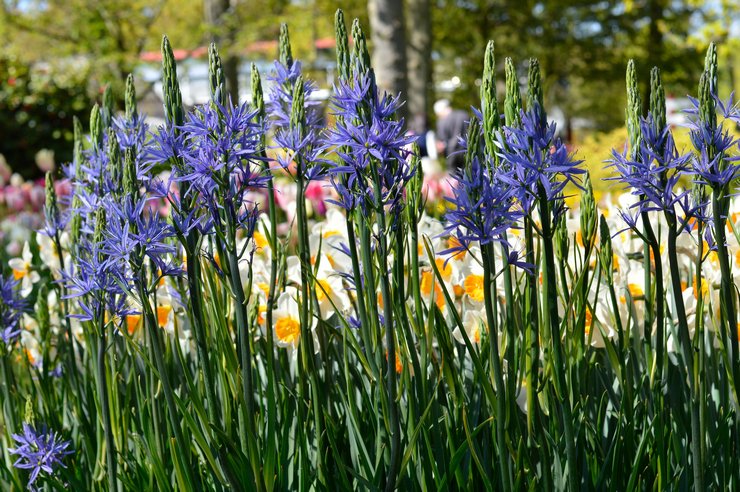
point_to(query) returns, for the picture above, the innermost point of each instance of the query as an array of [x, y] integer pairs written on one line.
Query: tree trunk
[[419, 62], [389, 46], [215, 14]]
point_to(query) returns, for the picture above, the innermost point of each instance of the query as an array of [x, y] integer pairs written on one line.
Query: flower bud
[[258, 101], [634, 109], [588, 213], [285, 54], [76, 220], [562, 241], [513, 101], [657, 101], [489, 103], [130, 180], [473, 149], [340, 33], [130, 100], [606, 254], [172, 95], [78, 156], [215, 75], [535, 95], [29, 416], [50, 205], [114, 158], [109, 107], [96, 128]]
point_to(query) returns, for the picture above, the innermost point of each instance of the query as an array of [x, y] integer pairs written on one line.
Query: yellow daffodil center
[[473, 285], [132, 321], [323, 289], [427, 281], [453, 242], [260, 240], [163, 313], [288, 330]]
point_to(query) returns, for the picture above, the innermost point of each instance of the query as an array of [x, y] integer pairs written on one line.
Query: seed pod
[[513, 101]]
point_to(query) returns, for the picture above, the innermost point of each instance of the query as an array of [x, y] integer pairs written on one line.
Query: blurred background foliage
[[57, 54]]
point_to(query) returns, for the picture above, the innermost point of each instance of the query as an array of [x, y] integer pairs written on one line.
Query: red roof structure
[[262, 46]]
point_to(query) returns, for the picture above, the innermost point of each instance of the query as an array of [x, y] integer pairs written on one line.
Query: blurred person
[[451, 126]]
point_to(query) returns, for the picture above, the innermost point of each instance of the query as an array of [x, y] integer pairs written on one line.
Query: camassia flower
[[654, 172], [12, 307], [535, 160], [294, 143], [40, 451], [482, 207], [712, 165], [370, 142]]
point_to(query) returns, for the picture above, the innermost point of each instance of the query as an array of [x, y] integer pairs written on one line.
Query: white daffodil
[[287, 322], [330, 292], [23, 271], [474, 324]]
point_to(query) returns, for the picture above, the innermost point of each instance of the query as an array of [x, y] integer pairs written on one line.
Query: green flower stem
[[306, 343], [359, 292], [497, 372], [390, 340], [201, 342], [727, 286], [697, 461], [7, 404], [532, 336], [245, 355], [150, 321], [550, 318], [102, 373]]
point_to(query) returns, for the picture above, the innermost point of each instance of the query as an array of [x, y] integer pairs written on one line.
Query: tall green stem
[[110, 447], [683, 333], [551, 318], [500, 420]]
